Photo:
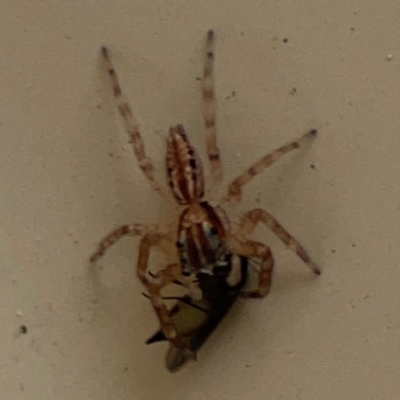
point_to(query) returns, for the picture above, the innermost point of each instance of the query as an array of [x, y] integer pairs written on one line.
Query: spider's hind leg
[[252, 218]]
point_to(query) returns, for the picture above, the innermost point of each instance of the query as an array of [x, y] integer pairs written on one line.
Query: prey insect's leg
[[209, 109], [251, 249], [252, 218], [235, 188], [115, 235], [132, 127]]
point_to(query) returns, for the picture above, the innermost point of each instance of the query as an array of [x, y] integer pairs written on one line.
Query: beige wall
[[68, 177]]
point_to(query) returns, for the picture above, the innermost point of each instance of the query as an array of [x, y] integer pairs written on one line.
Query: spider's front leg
[[252, 218], [132, 128], [235, 188], [171, 273], [251, 249], [209, 111]]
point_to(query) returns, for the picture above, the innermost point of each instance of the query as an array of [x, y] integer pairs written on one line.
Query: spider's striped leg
[[252, 218], [164, 316], [115, 235], [209, 109], [155, 296], [161, 240], [132, 127], [157, 282], [251, 249], [235, 187]]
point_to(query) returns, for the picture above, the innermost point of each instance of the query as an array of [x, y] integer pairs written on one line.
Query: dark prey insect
[[212, 256], [195, 319]]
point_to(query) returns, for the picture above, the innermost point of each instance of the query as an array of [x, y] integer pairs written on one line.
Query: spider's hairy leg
[[251, 249], [235, 187], [164, 317], [172, 273], [169, 274], [116, 234], [162, 241], [252, 218], [209, 109], [132, 127]]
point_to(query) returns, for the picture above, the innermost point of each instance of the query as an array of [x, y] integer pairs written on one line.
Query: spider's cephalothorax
[[206, 248]]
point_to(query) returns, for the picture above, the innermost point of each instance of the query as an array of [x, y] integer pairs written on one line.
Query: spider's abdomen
[[184, 168], [202, 239]]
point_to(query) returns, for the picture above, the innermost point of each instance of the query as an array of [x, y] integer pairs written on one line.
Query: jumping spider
[[213, 257]]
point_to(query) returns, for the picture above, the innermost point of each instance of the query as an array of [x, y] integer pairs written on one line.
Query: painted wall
[[68, 177]]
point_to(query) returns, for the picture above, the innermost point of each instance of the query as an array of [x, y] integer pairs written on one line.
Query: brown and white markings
[[201, 239]]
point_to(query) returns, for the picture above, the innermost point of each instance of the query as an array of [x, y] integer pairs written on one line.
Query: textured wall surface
[[68, 177]]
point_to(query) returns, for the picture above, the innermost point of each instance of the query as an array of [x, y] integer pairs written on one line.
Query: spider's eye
[[179, 245], [214, 230]]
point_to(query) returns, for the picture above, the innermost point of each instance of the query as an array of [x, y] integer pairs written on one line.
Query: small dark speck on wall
[[231, 96], [23, 329], [285, 40]]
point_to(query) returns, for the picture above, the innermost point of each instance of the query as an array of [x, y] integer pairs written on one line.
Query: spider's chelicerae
[[202, 239]]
